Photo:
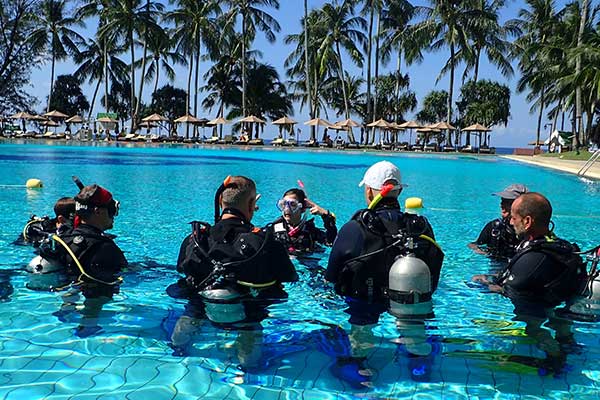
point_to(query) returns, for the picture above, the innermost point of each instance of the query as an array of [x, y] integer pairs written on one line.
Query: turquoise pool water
[[480, 351]]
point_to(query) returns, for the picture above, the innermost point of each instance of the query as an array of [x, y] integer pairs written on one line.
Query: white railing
[[588, 164]]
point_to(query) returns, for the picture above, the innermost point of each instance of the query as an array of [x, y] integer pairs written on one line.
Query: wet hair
[[65, 206], [238, 192], [299, 193], [536, 206]]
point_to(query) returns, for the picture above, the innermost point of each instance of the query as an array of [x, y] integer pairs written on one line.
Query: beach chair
[[290, 142], [278, 142], [466, 149], [310, 143], [352, 145], [129, 137], [402, 146], [212, 140], [48, 135], [447, 149], [430, 147], [154, 137], [60, 136], [387, 146], [256, 142], [242, 141]]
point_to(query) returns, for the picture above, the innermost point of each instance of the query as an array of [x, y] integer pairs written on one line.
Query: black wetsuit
[[308, 237], [234, 240], [99, 256], [365, 234], [500, 238], [543, 273]]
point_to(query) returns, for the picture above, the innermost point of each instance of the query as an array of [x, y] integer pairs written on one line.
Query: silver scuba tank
[[223, 305], [410, 287], [45, 274]]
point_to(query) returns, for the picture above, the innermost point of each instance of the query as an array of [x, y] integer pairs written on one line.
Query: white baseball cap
[[380, 173]]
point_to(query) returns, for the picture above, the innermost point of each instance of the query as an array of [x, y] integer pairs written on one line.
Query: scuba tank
[[223, 305], [586, 306], [410, 287], [45, 274]]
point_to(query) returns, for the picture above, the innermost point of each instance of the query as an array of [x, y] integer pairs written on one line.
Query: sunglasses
[[293, 205]]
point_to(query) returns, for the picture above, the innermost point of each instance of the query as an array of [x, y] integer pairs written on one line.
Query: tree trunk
[[105, 53], [157, 62], [578, 107], [477, 57], [397, 89], [541, 113], [51, 81], [306, 62], [555, 117], [197, 70], [93, 100], [375, 115], [132, 50], [369, 57], [189, 95], [450, 91], [243, 64], [342, 80]]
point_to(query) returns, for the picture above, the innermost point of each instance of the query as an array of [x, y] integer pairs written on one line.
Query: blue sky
[[520, 129]]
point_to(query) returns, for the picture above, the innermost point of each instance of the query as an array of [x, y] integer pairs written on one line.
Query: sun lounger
[[290, 142], [48, 134], [140, 138], [447, 149], [256, 142], [352, 145], [466, 149], [430, 147], [402, 146], [278, 142], [310, 143], [212, 140], [387, 146], [60, 135], [487, 150]]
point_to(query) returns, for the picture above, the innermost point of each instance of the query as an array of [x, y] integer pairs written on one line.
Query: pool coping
[[569, 166]]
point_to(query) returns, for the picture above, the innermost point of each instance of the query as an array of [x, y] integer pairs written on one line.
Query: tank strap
[[411, 297], [79, 266]]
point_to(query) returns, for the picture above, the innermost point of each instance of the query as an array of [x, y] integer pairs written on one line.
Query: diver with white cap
[[384, 259]]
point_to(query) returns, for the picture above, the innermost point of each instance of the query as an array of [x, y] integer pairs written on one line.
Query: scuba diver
[[498, 236], [232, 269], [86, 256], [295, 231], [39, 229], [546, 270], [384, 260]]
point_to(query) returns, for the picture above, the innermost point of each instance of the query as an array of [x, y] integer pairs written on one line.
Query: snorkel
[[218, 194], [384, 191]]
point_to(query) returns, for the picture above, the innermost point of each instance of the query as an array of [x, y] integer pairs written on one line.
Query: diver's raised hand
[[315, 209]]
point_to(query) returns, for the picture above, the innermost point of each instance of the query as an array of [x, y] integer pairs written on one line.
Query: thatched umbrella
[[318, 122], [56, 115], [23, 116], [380, 123], [475, 128], [348, 124], [252, 119], [444, 126], [410, 125], [216, 122], [285, 121]]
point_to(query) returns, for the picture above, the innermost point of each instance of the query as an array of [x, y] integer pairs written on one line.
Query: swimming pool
[[479, 351]]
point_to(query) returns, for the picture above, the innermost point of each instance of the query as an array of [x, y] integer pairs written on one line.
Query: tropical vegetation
[[334, 67]]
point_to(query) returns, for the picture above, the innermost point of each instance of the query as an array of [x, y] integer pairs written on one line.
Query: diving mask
[[293, 205]]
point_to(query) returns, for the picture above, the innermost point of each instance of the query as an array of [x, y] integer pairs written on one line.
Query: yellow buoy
[[413, 203], [34, 183]]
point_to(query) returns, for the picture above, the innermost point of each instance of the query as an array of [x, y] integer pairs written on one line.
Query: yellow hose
[[68, 249], [429, 239]]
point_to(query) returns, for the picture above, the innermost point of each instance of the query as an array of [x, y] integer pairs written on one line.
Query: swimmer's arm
[[475, 247]]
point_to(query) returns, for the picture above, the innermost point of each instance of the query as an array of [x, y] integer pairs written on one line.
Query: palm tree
[[195, 26], [539, 24], [445, 25], [160, 47], [370, 8], [54, 34], [309, 80], [307, 64], [396, 36], [488, 36], [253, 18], [343, 30], [123, 20], [91, 66]]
